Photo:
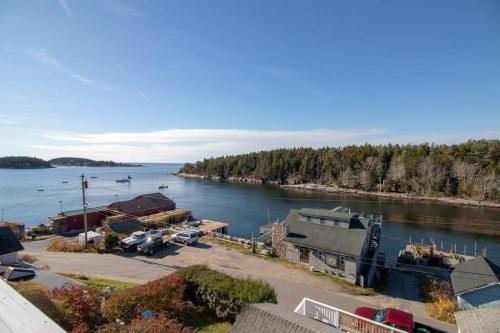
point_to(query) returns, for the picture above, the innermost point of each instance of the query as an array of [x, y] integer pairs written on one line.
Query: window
[[336, 222], [309, 219], [342, 260], [322, 220]]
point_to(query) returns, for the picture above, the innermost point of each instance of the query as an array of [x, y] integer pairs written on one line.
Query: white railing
[[341, 319]]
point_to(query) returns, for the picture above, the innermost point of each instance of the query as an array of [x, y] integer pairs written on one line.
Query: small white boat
[[124, 180], [163, 187]]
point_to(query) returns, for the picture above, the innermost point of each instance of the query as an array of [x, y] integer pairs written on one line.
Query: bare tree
[[467, 175], [485, 185]]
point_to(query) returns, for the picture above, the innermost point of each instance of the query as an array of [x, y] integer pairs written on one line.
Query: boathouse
[[335, 241], [142, 205], [476, 284]]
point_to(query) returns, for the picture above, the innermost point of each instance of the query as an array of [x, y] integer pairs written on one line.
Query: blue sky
[[181, 80]]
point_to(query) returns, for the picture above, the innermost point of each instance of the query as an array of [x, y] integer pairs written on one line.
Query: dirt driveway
[[291, 284]]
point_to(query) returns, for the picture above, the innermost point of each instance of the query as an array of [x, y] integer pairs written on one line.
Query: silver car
[[186, 237]]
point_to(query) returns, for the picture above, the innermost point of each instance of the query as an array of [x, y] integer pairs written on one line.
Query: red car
[[390, 317]]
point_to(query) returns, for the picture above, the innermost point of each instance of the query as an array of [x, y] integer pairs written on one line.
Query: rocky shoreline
[[332, 189], [392, 195]]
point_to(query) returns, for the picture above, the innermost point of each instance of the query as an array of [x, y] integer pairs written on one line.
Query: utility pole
[[84, 185], [2, 215], [60, 203]]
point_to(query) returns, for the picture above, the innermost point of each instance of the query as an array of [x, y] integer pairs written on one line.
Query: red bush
[[164, 295], [157, 324], [81, 306]]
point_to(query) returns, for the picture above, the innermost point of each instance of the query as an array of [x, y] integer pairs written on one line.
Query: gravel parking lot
[[291, 284]]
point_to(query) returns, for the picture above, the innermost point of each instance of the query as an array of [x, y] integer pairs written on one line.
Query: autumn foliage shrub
[[224, 294], [60, 245], [157, 324], [41, 297], [443, 304], [81, 306], [164, 295]]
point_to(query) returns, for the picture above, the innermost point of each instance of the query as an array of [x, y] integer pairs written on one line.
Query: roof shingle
[[474, 273], [347, 241], [267, 318], [8, 241]]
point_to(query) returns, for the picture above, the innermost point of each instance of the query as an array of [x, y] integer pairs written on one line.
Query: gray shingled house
[[335, 241], [476, 284]]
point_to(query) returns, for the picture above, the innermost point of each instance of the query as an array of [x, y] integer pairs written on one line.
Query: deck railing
[[341, 319]]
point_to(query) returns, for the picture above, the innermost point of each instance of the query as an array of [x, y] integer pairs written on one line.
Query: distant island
[[468, 171], [23, 162], [26, 162], [76, 161]]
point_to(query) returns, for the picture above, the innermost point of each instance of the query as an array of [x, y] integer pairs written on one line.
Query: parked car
[[393, 318], [186, 237], [130, 243], [153, 243]]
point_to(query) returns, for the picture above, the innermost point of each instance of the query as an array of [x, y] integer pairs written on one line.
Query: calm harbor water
[[244, 206]]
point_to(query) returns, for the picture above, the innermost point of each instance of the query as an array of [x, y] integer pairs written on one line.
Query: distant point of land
[[26, 162], [76, 161], [23, 162]]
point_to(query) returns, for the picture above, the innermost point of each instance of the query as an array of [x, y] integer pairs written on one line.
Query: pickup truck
[[135, 239], [394, 318], [153, 243]]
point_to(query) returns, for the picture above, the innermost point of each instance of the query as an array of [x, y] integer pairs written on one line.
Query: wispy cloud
[[141, 93], [65, 7], [120, 8], [42, 56], [147, 100], [8, 120], [180, 145], [282, 73]]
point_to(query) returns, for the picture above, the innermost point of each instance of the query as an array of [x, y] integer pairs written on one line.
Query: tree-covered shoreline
[[469, 170], [26, 162], [23, 162]]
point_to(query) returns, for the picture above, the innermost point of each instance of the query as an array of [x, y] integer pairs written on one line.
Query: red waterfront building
[[142, 205]]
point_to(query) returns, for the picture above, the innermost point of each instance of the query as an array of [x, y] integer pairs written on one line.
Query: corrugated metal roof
[[18, 315], [347, 241], [80, 211]]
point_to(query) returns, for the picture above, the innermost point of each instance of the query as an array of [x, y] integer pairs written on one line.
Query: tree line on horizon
[[470, 170]]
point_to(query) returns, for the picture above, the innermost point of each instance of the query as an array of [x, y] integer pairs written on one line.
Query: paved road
[[292, 284]]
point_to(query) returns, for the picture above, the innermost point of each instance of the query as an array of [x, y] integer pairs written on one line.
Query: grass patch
[[98, 283], [203, 321], [224, 327], [353, 289]]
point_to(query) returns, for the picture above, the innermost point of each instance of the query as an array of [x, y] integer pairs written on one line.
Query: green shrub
[[111, 241], [223, 294], [163, 295]]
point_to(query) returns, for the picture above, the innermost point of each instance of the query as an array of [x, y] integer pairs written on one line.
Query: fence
[[341, 319]]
